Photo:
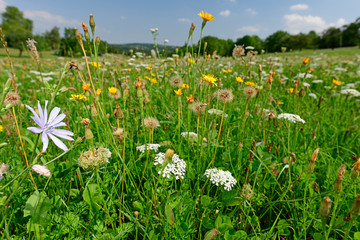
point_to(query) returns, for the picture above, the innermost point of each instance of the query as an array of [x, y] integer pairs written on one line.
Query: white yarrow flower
[[350, 91], [221, 177], [291, 117], [48, 126], [41, 170], [151, 146], [176, 168]]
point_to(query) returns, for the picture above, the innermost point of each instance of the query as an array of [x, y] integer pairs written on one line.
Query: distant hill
[[140, 47]]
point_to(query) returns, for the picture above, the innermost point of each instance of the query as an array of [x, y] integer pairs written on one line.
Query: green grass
[[274, 195]]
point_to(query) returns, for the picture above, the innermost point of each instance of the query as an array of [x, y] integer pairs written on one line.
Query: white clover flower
[[221, 177], [291, 117], [216, 112], [312, 95], [349, 91], [150, 146], [306, 84], [176, 168], [41, 170], [317, 81], [48, 126]]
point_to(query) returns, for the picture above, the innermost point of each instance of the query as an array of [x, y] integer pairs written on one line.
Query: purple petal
[[45, 141], [53, 114], [45, 112], [60, 124], [35, 129], [41, 114], [35, 117], [58, 119], [60, 134], [57, 142]]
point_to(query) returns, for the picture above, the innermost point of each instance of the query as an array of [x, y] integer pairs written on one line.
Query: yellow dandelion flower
[[98, 91], [171, 69], [336, 82], [153, 80], [184, 86], [96, 65], [210, 79], [146, 77], [239, 79], [292, 90], [250, 84], [191, 61], [86, 86], [306, 61], [190, 99], [280, 102], [227, 71], [206, 16], [153, 74], [178, 92], [112, 90], [129, 70], [1, 128], [78, 97]]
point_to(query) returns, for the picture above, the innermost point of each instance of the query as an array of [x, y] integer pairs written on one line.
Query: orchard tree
[[53, 38], [16, 28]]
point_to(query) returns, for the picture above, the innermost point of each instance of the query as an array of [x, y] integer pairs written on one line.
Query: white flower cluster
[[151, 146], [291, 117], [216, 112], [349, 91], [221, 177], [176, 167]]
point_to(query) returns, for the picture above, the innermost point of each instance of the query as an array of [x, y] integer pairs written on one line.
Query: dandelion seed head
[[151, 123], [250, 91], [176, 81], [225, 95], [198, 108], [12, 98]]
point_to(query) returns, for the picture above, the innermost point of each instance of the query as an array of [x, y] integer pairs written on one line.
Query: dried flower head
[[250, 91], [41, 170], [325, 208], [94, 158], [176, 81], [4, 168], [12, 98], [247, 192], [198, 108], [238, 51], [31, 45], [151, 123], [119, 133], [225, 95]]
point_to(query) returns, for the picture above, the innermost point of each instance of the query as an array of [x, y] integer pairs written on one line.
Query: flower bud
[[93, 110], [325, 208], [92, 23], [338, 185], [355, 208], [354, 173], [118, 113], [88, 133], [169, 154], [78, 37], [97, 41]]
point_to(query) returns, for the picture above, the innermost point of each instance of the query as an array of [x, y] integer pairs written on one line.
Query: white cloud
[[49, 18], [296, 23], [233, 1], [123, 17], [185, 20], [248, 29], [2, 5], [251, 11], [225, 13], [299, 7]]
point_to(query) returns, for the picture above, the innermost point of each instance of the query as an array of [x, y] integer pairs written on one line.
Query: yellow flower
[[1, 128], [86, 86], [98, 91], [190, 99], [146, 77], [227, 71], [280, 102], [250, 84], [292, 90], [171, 69], [178, 92], [149, 67], [306, 61], [191, 61], [206, 16], [239, 79], [336, 82], [96, 65], [210, 79], [153, 80], [129, 70], [184, 86], [78, 97], [112, 90]]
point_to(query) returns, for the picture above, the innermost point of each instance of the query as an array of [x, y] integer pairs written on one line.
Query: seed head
[[151, 123], [176, 81], [250, 91], [12, 98], [225, 95], [238, 51], [198, 108]]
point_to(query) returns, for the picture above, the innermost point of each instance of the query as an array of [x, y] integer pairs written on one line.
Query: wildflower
[[252, 84], [239, 79], [191, 135], [313, 95], [238, 51], [119, 133], [250, 91], [94, 158], [199, 108], [41, 170], [206, 16], [349, 91], [216, 112], [86, 87], [1, 128], [209, 78], [31, 45], [150, 122], [336, 82], [291, 117], [98, 91], [4, 168], [225, 95], [325, 208], [184, 86], [178, 92], [114, 93], [12, 98], [176, 81], [78, 97], [306, 61], [151, 146], [153, 80], [154, 30], [175, 166], [48, 126], [221, 177], [191, 61], [96, 65], [190, 99], [247, 192], [112, 90], [292, 91]]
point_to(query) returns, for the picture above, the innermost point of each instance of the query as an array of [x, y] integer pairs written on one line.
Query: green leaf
[[169, 214], [211, 234], [37, 206], [357, 236], [91, 196], [229, 198]]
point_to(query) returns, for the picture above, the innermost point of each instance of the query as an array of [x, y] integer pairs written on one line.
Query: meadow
[[148, 146]]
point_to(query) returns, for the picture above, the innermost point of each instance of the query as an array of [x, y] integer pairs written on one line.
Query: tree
[[277, 40], [351, 35], [69, 46], [17, 29], [331, 38], [53, 38], [253, 41]]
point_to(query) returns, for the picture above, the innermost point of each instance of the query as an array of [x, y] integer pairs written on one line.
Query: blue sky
[[129, 21]]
